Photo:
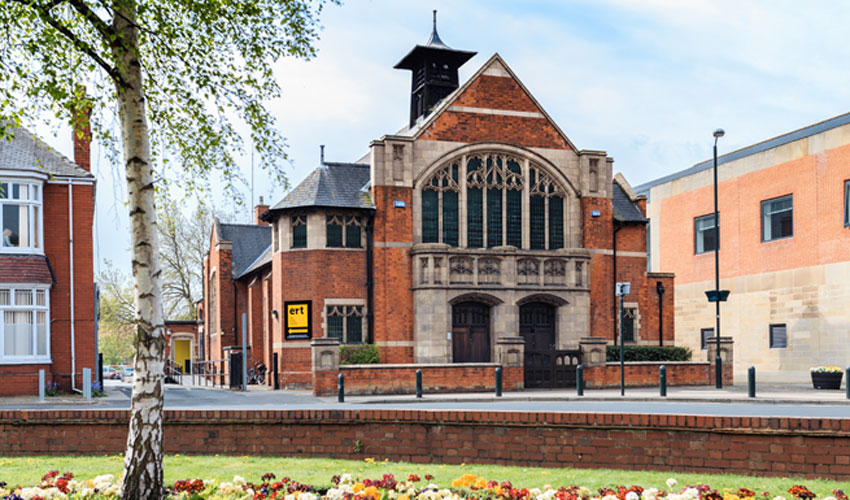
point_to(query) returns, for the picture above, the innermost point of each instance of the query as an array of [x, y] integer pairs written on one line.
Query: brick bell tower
[[434, 66]]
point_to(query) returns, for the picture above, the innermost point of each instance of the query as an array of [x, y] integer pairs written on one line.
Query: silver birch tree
[[177, 76]]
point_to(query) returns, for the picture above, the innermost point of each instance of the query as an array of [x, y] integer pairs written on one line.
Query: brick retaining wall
[[810, 447], [401, 379], [646, 374]]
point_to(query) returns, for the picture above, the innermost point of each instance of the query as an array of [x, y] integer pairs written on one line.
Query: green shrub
[[365, 354], [649, 353]]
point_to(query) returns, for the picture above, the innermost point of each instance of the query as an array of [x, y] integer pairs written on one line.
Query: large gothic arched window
[[479, 200]]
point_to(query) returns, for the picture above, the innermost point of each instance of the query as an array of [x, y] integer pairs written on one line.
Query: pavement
[[771, 400]]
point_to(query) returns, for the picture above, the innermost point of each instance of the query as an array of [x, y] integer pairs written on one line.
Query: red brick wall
[[647, 374], [774, 446], [502, 93], [393, 295], [377, 379], [255, 321], [313, 275], [56, 246], [19, 380]]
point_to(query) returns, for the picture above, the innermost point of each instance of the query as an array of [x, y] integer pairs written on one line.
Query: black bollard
[[499, 382], [751, 382], [580, 380], [847, 381], [275, 369], [662, 375], [340, 388], [418, 383]]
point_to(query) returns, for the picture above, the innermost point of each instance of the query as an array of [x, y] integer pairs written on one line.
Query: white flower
[[632, 496], [650, 494], [672, 482], [778, 498], [610, 497], [690, 493], [239, 480], [345, 479]]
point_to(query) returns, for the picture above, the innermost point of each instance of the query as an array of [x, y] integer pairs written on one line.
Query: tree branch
[[82, 45]]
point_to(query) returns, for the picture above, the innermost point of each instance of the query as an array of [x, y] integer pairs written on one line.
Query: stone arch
[[546, 298]]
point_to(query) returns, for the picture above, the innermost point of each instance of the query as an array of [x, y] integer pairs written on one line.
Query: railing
[[438, 265], [211, 373], [173, 372]]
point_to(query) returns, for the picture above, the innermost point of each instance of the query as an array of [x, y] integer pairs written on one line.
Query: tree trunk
[[143, 476]]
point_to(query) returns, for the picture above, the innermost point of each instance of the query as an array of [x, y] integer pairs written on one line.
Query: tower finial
[[435, 20]]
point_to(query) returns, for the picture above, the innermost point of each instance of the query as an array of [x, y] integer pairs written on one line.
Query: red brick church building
[[478, 220]]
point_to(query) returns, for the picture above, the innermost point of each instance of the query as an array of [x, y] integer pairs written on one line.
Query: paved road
[[781, 401]]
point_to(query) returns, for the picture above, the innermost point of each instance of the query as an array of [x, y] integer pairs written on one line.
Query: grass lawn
[[318, 472]]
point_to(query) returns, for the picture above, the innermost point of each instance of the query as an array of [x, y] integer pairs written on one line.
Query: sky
[[646, 81]]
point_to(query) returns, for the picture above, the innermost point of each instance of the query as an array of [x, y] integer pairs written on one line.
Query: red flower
[[413, 478]]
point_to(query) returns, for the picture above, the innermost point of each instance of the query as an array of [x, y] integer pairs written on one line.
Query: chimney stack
[[81, 126], [259, 210]]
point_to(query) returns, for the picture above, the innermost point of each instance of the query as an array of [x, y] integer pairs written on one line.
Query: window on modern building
[[847, 203], [20, 217], [778, 339], [494, 185], [777, 218], [345, 323], [24, 324], [299, 231], [704, 335], [705, 236]]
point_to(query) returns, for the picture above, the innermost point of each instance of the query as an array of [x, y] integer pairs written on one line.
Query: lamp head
[[719, 133]]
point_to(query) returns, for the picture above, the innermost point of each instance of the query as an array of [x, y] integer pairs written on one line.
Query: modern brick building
[[478, 220], [47, 309], [784, 249]]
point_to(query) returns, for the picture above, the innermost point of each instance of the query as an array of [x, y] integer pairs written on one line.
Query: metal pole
[[751, 382], [418, 383], [662, 375], [580, 380], [244, 352], [340, 388], [41, 386], [499, 382], [622, 352], [718, 362], [847, 381], [275, 369]]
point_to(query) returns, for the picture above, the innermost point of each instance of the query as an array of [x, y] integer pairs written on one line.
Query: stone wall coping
[[425, 366]]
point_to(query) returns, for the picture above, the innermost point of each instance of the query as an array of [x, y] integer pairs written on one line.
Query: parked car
[[127, 373], [111, 373]]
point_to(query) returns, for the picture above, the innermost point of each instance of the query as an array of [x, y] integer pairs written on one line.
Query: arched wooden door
[[470, 333]]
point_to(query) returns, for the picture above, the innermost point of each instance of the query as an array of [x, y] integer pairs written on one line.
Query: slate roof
[[265, 259], [335, 185], [625, 210], [249, 242], [27, 152], [26, 269]]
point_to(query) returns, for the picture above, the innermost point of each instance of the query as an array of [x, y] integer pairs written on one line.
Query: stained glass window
[[450, 218], [475, 218], [556, 223], [494, 217], [430, 216], [537, 221]]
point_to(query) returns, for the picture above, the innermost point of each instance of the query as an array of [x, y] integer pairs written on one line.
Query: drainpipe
[[71, 268], [370, 281], [617, 226]]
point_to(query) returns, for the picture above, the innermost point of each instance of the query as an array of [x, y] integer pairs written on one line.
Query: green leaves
[[207, 68]]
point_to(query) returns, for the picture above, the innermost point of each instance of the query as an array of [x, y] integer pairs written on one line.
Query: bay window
[[20, 217], [24, 324]]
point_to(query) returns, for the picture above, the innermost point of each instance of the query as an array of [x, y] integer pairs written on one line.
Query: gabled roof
[[265, 259], [26, 152], [494, 64], [759, 147], [248, 242], [334, 185], [623, 201]]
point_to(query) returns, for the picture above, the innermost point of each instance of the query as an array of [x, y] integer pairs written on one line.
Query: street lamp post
[[718, 362]]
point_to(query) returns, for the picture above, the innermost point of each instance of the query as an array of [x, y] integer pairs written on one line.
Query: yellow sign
[[298, 324]]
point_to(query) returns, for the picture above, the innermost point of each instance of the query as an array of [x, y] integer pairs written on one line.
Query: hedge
[[365, 354], [649, 353]]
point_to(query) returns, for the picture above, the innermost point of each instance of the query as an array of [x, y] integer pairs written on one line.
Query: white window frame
[[33, 203], [766, 217], [699, 234], [34, 308]]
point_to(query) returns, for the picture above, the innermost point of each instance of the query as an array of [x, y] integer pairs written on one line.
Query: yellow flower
[[404, 497], [358, 487], [373, 492]]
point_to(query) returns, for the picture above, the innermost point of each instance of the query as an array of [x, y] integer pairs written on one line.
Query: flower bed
[[345, 487]]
